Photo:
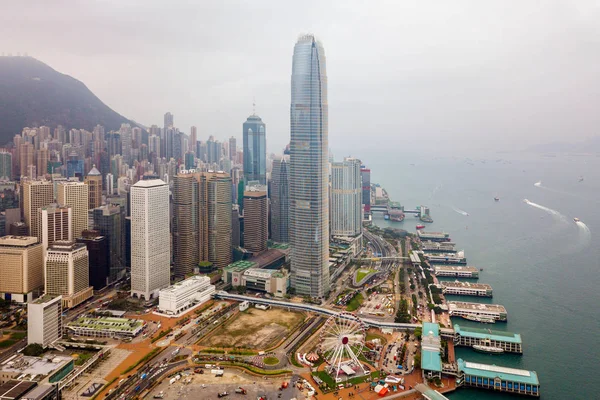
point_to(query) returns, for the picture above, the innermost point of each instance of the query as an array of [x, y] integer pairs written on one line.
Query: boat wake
[[550, 211], [584, 232], [458, 210]]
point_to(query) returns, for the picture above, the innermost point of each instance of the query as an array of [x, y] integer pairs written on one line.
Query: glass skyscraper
[[255, 150], [309, 208]]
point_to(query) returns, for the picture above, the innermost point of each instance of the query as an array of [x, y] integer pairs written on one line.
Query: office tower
[[44, 320], [280, 200], [21, 268], [256, 228], [309, 208], [215, 218], [110, 184], [113, 144], [193, 139], [255, 150], [186, 224], [365, 174], [110, 221], [150, 244], [213, 150], [232, 148], [36, 194], [235, 226], [154, 144], [190, 160], [75, 167], [94, 182], [346, 198], [26, 152], [168, 120], [42, 162], [9, 196], [99, 257], [136, 137], [5, 165], [67, 272], [76, 196], [56, 223], [126, 142]]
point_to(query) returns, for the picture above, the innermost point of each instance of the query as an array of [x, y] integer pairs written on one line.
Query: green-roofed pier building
[[508, 341], [497, 378]]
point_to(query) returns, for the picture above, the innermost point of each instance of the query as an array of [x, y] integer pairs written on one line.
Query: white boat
[[483, 320], [576, 220], [488, 349]]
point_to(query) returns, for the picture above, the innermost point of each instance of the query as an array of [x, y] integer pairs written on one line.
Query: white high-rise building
[[346, 198], [44, 320], [75, 195], [150, 238]]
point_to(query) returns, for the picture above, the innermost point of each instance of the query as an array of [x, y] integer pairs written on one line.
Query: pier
[[466, 289], [446, 258], [456, 271], [492, 312], [438, 247], [502, 379], [469, 337]]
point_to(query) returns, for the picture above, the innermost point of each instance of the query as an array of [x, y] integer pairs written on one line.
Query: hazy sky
[[445, 74]]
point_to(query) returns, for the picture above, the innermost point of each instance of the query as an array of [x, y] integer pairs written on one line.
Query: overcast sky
[[449, 74]]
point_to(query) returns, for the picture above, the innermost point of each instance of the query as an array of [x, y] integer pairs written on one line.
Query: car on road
[[222, 394]]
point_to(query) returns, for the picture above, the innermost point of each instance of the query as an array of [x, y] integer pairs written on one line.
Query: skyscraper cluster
[[83, 209]]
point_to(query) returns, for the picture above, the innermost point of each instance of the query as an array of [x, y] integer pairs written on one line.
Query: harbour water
[[543, 266]]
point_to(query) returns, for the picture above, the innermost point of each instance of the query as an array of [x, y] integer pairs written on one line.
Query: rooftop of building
[[103, 323], [264, 273], [18, 241], [40, 392], [455, 268], [15, 389], [430, 393], [453, 305], [459, 284], [65, 246], [94, 171], [267, 257], [38, 366], [149, 183], [494, 371], [478, 333], [278, 246], [239, 266], [430, 347], [44, 299], [194, 280]]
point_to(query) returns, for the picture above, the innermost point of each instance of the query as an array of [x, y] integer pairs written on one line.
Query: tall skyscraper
[[36, 194], [309, 208], [56, 224], [232, 148], [193, 139], [256, 228], [5, 165], [150, 244], [21, 268], [26, 153], [99, 258], [42, 162], [215, 218], [94, 182], [255, 150], [346, 198], [168, 120], [126, 142], [280, 200], [186, 224], [365, 174], [67, 272], [75, 195], [110, 221]]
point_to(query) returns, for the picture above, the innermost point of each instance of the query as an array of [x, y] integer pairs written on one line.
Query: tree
[[418, 333], [33, 350]]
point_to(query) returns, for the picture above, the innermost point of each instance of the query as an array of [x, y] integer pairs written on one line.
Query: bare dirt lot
[[254, 329]]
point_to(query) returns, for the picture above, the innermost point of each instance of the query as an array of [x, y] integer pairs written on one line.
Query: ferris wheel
[[342, 341]]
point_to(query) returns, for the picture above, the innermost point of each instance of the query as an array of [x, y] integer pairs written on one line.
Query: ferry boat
[[488, 349], [420, 226], [576, 219], [483, 320]]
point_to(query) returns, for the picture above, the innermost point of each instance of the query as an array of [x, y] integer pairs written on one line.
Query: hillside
[[34, 94]]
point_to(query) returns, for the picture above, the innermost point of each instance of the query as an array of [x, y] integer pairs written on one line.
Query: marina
[[495, 312], [467, 289], [456, 271], [469, 337]]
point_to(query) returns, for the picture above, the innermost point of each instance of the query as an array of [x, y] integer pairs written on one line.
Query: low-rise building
[[510, 380], [51, 368], [431, 359], [232, 274], [185, 294], [266, 280], [44, 320], [106, 327]]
